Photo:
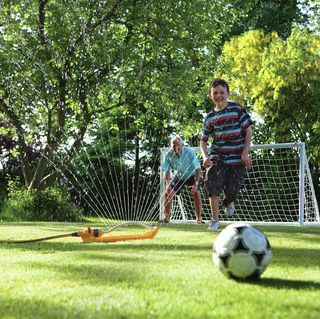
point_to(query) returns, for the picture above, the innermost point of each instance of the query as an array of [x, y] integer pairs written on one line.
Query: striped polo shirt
[[226, 129]]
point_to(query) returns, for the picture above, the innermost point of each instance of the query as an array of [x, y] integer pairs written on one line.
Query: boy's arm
[[203, 149], [245, 152]]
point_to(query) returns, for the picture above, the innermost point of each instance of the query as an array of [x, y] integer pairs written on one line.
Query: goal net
[[278, 189]]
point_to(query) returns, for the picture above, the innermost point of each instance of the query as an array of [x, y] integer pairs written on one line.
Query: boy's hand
[[207, 163], [246, 160]]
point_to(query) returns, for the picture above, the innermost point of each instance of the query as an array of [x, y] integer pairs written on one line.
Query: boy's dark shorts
[[178, 184], [228, 178]]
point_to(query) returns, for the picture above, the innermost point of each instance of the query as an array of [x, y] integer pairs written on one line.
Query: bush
[[50, 204], [3, 197], [3, 191]]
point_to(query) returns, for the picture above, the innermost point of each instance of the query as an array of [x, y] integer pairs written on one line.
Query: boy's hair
[[217, 82]]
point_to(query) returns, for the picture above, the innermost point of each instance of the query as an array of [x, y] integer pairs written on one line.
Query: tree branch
[[42, 16], [15, 122], [87, 29]]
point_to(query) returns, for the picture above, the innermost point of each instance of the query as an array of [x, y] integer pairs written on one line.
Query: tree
[[48, 76], [272, 16], [56, 56], [311, 9], [68, 64]]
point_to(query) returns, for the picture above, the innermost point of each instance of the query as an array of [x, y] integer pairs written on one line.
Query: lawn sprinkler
[[90, 235], [96, 235]]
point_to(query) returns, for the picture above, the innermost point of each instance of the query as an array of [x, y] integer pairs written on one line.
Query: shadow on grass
[[189, 227], [102, 272], [303, 257], [289, 230], [37, 307], [135, 246], [286, 283]]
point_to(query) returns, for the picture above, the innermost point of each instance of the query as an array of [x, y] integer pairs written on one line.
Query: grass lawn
[[170, 276]]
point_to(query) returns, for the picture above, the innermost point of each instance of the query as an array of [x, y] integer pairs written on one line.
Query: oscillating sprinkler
[[90, 235], [95, 235]]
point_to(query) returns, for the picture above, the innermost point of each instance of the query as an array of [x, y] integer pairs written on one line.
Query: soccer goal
[[278, 189]]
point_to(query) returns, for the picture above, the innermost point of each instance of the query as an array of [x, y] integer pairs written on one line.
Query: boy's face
[[219, 96]]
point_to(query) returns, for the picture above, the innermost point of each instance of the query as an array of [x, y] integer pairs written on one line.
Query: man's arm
[[167, 178], [197, 179], [197, 175]]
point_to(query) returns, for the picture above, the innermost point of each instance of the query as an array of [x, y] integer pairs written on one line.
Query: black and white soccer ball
[[241, 251]]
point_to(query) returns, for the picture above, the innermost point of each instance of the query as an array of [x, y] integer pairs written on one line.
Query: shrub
[[3, 197], [50, 204], [3, 190]]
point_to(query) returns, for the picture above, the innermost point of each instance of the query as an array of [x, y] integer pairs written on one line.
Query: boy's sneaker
[[214, 225], [229, 210]]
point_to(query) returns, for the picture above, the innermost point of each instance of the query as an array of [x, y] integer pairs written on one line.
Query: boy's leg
[[214, 205], [214, 181], [234, 181]]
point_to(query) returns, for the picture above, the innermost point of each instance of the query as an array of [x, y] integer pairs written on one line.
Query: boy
[[229, 126], [187, 169]]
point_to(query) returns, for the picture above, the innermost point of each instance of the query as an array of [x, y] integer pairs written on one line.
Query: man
[[184, 162]]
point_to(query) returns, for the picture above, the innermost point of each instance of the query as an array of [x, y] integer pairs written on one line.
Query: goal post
[[278, 189]]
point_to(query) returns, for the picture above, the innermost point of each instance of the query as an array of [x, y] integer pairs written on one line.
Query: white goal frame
[[300, 206]]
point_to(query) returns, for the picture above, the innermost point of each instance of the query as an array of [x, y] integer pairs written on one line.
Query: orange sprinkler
[[95, 235], [91, 235]]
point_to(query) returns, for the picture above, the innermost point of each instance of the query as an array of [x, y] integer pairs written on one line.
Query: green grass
[[170, 276]]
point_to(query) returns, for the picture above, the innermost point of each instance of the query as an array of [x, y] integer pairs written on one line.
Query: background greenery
[[170, 276], [74, 73]]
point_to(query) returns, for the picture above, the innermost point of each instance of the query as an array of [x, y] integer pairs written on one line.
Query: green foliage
[[66, 63], [3, 194], [279, 79], [50, 204], [272, 15], [311, 9]]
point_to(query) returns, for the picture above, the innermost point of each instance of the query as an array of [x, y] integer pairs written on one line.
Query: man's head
[[177, 144]]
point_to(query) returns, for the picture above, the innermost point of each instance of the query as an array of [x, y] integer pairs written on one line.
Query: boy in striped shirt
[[229, 125]]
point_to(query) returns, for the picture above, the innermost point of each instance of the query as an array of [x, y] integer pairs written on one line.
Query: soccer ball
[[241, 251]]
